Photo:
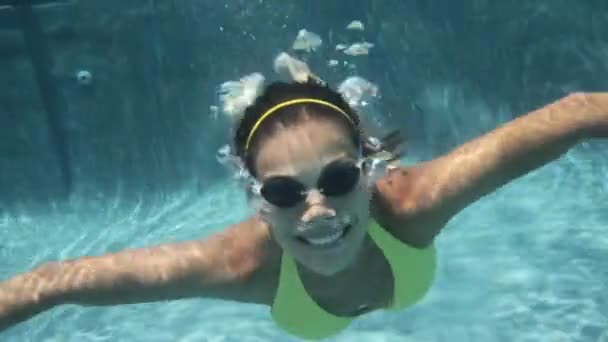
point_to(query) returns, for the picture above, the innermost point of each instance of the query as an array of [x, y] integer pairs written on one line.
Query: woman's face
[[325, 228]]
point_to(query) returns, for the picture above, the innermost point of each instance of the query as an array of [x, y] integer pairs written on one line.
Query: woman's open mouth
[[328, 240]]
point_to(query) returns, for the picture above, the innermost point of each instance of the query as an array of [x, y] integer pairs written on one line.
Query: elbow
[[65, 282]]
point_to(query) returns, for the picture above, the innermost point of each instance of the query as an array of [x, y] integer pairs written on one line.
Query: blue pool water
[[527, 263]]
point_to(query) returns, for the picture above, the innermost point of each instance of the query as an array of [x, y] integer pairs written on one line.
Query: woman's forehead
[[303, 149]]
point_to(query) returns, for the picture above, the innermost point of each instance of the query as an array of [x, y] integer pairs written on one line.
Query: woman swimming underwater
[[329, 241]]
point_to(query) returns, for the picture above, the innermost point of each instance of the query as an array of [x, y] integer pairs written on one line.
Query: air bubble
[[84, 77]]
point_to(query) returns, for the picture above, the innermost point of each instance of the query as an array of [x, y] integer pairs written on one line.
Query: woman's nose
[[316, 207]]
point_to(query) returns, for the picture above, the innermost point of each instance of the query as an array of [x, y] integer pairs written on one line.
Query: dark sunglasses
[[337, 178]]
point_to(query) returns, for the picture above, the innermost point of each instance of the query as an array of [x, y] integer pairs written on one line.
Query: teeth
[[325, 240]]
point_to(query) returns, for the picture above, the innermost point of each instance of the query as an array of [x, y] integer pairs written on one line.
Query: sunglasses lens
[[339, 178], [284, 192]]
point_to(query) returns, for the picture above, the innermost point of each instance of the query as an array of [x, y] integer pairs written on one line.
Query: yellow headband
[[289, 103]]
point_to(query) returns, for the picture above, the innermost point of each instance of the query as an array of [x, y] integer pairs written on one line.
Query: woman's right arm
[[225, 265]]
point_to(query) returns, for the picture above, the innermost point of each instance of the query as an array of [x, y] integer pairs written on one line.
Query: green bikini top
[[297, 313]]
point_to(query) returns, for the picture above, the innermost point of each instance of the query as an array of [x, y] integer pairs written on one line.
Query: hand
[[390, 148]]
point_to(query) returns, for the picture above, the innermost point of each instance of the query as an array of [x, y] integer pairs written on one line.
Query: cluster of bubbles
[[236, 95]]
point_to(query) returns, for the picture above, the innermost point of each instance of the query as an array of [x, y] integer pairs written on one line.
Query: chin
[[328, 264], [322, 267], [327, 272]]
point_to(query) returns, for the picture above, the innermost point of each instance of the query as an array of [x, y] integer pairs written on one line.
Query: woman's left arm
[[418, 201]]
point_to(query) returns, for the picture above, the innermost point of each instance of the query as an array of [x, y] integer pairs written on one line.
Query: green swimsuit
[[297, 313]]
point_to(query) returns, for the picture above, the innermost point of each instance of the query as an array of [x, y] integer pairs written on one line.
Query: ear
[[389, 148]]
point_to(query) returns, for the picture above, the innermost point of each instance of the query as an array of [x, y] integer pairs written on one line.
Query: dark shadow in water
[[54, 104]]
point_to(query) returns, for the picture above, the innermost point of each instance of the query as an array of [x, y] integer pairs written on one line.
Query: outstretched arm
[[418, 201], [222, 266]]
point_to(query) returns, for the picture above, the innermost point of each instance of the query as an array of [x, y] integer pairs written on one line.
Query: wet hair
[[289, 116]]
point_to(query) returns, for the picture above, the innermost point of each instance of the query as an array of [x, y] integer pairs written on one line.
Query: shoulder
[[403, 204], [252, 259]]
